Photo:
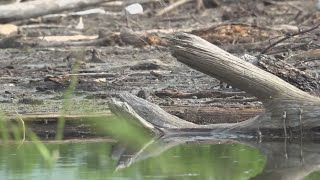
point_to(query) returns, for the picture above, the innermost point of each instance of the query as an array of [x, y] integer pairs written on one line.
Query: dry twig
[[172, 7], [288, 36]]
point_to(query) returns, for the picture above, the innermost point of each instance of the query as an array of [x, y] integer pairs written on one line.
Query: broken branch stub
[[278, 96]]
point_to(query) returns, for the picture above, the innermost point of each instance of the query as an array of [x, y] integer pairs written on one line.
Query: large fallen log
[[31, 9], [285, 105]]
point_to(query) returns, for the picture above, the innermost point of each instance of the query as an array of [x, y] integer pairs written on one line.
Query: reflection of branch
[[276, 165], [156, 147], [23, 128], [131, 159]]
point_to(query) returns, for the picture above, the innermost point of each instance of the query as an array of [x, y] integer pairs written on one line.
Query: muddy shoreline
[[34, 79]]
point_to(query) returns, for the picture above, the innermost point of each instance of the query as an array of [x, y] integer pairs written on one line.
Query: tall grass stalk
[[43, 150], [68, 94], [3, 129]]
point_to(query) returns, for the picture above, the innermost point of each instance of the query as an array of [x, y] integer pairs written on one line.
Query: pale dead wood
[[144, 112], [172, 7], [122, 3], [128, 2], [209, 59], [30, 9], [67, 38], [17, 41], [47, 26], [278, 97], [8, 29], [149, 115], [82, 13]]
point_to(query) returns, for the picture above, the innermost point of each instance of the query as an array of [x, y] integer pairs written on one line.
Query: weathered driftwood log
[[285, 105], [30, 9], [282, 101]]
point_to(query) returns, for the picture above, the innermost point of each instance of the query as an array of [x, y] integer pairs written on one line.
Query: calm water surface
[[99, 160]]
